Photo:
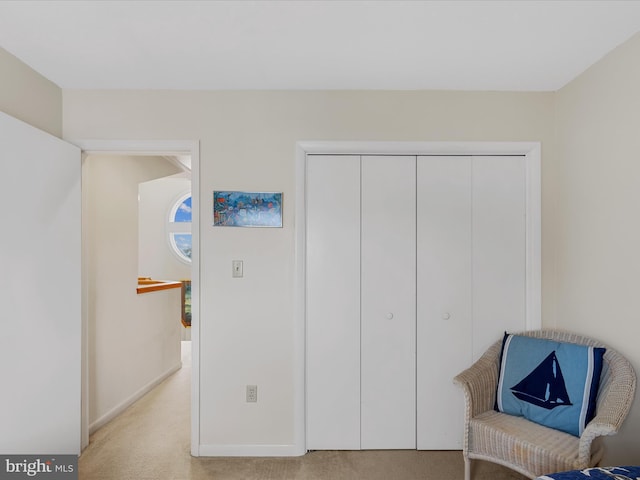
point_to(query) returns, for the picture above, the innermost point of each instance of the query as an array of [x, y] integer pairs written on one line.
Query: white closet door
[[499, 249], [444, 307], [333, 302], [388, 303]]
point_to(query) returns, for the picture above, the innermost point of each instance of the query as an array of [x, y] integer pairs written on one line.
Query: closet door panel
[[388, 303], [333, 302], [444, 320], [499, 242]]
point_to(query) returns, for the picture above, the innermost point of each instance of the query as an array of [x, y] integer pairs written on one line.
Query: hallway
[[151, 439]]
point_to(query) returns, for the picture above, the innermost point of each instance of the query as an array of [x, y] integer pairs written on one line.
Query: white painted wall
[[28, 96], [596, 219], [134, 340], [247, 142], [40, 343], [156, 259]]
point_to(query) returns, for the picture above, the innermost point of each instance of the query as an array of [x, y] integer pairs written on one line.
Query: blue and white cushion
[[548, 382], [596, 473]]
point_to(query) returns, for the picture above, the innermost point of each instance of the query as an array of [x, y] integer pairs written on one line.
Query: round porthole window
[[180, 228]]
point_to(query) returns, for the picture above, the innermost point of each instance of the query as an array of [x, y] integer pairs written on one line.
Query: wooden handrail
[[147, 285]]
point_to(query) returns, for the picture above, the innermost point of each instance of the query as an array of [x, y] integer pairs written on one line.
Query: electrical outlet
[[252, 393]]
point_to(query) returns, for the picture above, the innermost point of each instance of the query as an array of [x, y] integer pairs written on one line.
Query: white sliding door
[[39, 292], [333, 302], [444, 297], [388, 302]]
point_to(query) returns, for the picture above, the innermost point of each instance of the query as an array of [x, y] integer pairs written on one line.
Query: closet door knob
[[446, 316], [389, 316]]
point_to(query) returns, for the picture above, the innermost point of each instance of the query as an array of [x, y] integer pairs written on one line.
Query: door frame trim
[[530, 150], [159, 148]]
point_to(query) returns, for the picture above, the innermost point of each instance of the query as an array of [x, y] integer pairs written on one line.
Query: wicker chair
[[527, 447]]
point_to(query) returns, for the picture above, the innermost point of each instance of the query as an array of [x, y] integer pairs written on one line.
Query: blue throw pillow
[[548, 382]]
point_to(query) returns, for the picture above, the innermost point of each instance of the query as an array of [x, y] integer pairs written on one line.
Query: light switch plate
[[237, 269]]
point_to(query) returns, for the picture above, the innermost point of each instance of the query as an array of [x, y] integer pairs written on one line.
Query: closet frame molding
[[531, 151]]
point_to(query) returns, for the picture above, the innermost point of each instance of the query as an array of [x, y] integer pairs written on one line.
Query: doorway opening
[[135, 328]]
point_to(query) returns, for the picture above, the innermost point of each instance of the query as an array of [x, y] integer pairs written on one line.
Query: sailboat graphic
[[544, 386]]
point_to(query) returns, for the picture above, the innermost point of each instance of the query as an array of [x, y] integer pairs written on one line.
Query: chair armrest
[[617, 391], [479, 382]]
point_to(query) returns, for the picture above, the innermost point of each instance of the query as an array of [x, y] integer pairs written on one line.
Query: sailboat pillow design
[[550, 383]]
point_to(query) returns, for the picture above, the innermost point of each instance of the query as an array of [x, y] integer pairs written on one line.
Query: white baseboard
[[118, 409], [250, 451]]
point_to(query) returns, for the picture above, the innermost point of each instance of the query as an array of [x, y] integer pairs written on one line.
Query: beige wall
[[247, 142], [134, 340], [28, 96], [597, 213]]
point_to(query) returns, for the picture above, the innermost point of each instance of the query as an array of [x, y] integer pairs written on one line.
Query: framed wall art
[[247, 209]]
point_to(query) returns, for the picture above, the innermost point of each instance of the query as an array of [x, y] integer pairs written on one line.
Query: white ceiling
[[331, 44]]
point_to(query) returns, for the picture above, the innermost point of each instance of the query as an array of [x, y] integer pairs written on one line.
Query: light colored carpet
[[151, 441]]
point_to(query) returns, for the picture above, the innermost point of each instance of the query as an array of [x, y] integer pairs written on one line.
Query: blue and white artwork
[[247, 209]]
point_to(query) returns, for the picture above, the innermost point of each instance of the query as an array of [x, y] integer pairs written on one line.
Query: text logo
[[47, 467]]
